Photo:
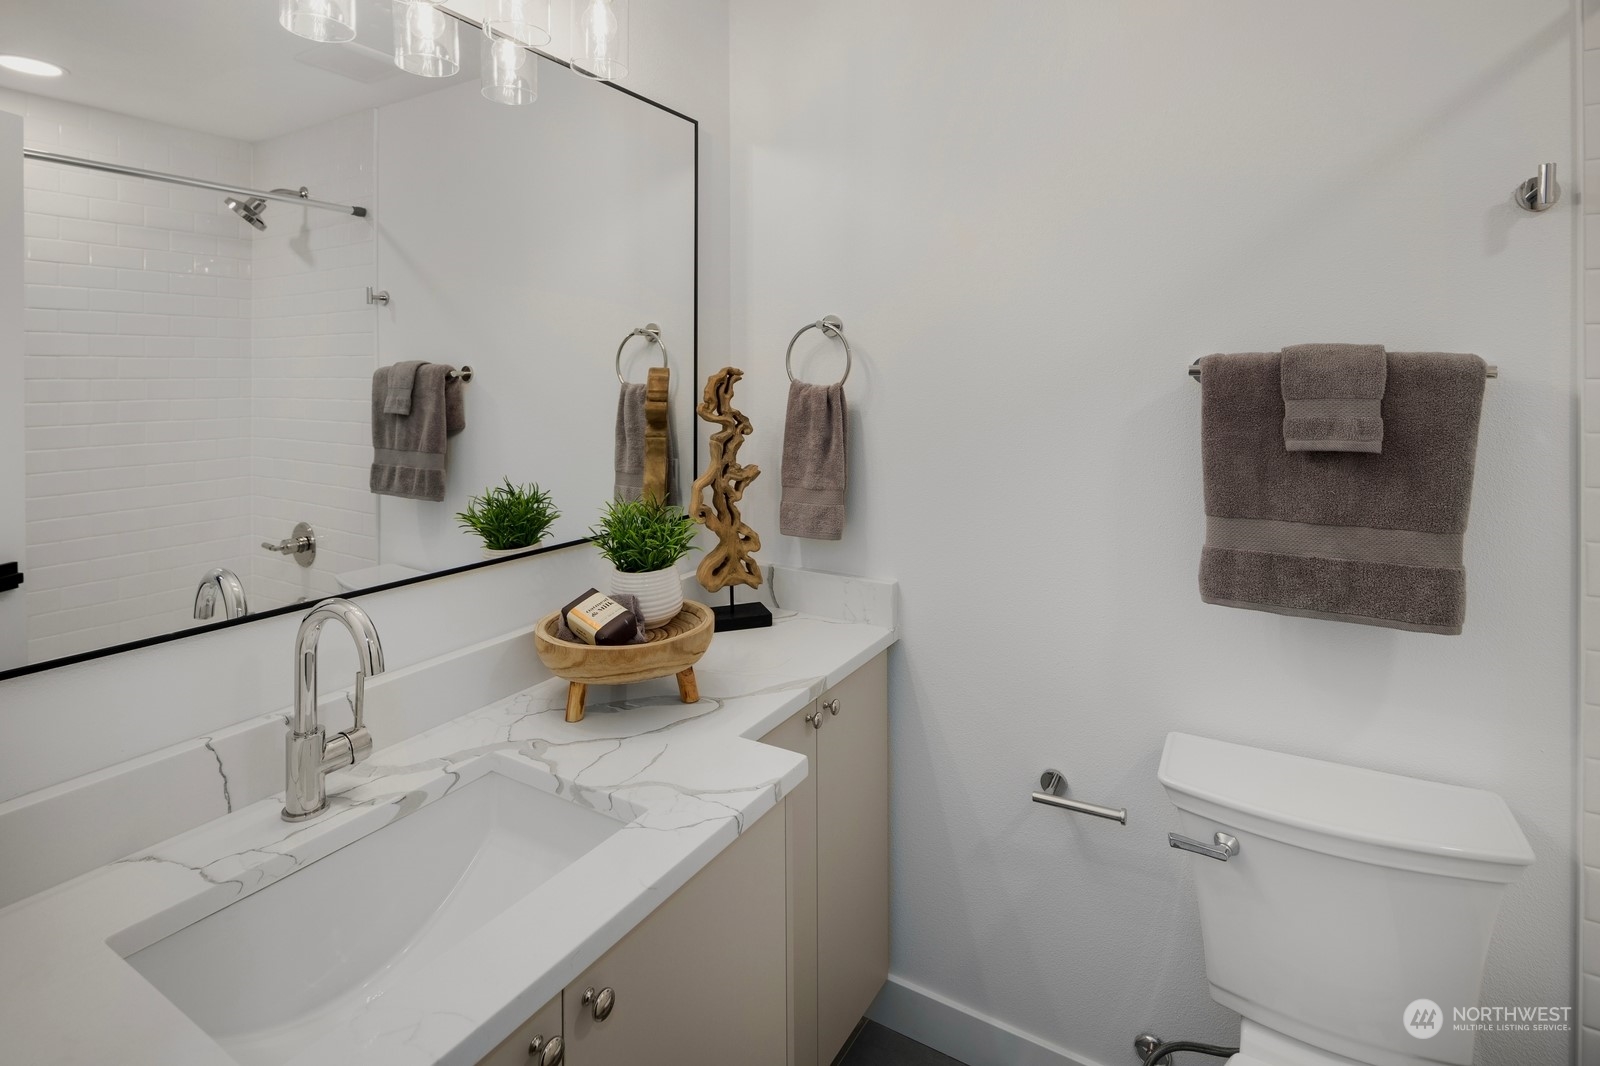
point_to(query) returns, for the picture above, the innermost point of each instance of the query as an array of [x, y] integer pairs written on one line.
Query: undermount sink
[[270, 975]]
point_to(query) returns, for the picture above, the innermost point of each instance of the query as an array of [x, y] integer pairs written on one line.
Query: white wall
[[136, 387], [1030, 218], [13, 525]]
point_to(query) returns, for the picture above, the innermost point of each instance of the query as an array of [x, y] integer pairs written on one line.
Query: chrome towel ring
[[833, 328], [650, 332]]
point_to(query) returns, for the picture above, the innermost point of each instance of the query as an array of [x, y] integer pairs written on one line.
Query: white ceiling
[[219, 66]]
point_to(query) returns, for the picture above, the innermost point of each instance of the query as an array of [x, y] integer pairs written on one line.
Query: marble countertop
[[685, 780]]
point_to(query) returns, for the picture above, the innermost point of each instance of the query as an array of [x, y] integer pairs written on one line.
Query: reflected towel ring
[[650, 332], [833, 328]]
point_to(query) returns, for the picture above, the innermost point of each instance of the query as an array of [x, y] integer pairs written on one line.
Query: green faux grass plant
[[510, 516], [643, 536]]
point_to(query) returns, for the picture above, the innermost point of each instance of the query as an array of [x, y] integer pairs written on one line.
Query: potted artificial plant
[[643, 541], [510, 518]]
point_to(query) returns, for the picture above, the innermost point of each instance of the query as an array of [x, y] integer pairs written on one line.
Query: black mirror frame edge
[[296, 608]]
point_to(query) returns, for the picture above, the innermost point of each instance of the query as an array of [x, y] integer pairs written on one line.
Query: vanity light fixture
[[328, 21], [28, 65], [427, 41], [510, 72], [524, 21], [600, 39]]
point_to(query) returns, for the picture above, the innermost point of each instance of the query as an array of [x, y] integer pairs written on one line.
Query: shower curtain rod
[[193, 183]]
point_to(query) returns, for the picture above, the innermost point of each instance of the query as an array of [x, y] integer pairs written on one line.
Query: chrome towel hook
[[833, 328], [1540, 192], [650, 332]]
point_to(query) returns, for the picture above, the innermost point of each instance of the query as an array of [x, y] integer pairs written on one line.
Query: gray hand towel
[[402, 379], [628, 449], [1333, 397], [1367, 538], [814, 466], [408, 451]]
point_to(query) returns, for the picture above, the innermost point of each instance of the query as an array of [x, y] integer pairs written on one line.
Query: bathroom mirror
[[198, 364]]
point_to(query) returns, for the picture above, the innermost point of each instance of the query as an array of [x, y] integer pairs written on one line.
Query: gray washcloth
[[1374, 539], [814, 467], [628, 450], [408, 451], [402, 379], [1333, 397]]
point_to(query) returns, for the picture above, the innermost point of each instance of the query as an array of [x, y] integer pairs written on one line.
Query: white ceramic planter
[[501, 553], [660, 594]]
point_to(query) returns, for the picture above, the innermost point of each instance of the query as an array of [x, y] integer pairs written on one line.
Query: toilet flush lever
[[1226, 846]]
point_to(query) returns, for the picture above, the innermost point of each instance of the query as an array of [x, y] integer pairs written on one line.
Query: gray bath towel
[[814, 462], [1354, 537], [628, 449], [408, 451], [402, 378], [1333, 397]]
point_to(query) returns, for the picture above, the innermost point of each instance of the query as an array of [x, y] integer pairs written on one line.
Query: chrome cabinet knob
[[815, 720], [547, 1052], [832, 707], [600, 1003]]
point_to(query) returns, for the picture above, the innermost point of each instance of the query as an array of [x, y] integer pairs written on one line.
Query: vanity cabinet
[[771, 954], [837, 829], [701, 980]]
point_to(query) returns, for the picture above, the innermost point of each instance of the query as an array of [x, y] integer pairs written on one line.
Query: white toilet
[[1351, 895]]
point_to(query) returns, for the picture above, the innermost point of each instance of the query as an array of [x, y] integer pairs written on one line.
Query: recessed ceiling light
[[37, 67]]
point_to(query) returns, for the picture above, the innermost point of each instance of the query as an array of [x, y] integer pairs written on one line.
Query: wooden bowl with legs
[[672, 649]]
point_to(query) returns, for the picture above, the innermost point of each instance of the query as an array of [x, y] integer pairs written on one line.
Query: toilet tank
[[1353, 895]]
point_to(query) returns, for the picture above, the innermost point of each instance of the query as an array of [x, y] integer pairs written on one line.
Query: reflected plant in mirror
[[510, 518], [643, 540]]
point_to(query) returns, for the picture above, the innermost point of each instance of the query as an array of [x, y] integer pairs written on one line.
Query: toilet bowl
[[1356, 902]]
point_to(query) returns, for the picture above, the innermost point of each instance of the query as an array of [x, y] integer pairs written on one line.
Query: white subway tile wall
[[1589, 900], [136, 396], [193, 387]]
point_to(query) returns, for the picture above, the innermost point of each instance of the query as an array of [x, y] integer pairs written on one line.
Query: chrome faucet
[[220, 583], [310, 755]]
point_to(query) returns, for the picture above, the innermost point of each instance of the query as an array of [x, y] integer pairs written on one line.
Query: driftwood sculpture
[[730, 562]]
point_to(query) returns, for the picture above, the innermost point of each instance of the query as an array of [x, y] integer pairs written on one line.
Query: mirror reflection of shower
[[250, 209]]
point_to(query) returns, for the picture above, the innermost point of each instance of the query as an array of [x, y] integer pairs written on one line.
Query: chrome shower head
[[249, 210]]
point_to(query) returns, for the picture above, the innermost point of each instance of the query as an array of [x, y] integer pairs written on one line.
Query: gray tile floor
[[876, 1046]]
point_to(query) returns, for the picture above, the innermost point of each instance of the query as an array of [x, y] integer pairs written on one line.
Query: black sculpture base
[[734, 616]]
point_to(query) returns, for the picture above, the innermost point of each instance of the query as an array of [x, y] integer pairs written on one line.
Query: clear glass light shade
[[600, 39], [319, 20], [426, 40], [527, 21], [510, 72]]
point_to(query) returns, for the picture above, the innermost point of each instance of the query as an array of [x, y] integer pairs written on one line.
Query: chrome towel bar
[[1053, 784], [1491, 371]]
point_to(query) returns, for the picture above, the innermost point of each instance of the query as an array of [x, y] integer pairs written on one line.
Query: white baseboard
[[961, 1032]]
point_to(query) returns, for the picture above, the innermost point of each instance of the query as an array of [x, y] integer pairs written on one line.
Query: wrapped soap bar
[[596, 618]]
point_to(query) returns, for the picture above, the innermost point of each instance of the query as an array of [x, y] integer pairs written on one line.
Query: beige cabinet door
[[852, 775], [702, 979], [799, 734], [518, 1049]]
